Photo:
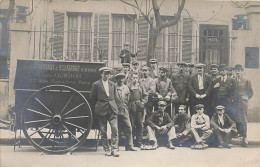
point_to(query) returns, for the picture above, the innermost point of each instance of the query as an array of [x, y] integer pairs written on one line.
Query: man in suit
[[200, 127], [214, 77], [226, 88], [126, 71], [160, 123], [123, 112], [105, 98], [199, 88], [243, 93], [125, 54], [190, 69], [224, 127], [180, 82]]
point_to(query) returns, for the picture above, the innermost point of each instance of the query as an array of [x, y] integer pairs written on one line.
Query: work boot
[[170, 146]]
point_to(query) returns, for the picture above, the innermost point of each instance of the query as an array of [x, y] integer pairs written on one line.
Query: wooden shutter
[[187, 40], [58, 35]]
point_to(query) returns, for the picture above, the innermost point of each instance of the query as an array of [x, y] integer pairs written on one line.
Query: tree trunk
[[153, 35]]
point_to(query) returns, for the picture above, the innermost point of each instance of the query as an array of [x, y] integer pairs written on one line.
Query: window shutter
[[85, 38], [143, 29], [187, 40], [173, 43], [58, 35], [130, 31]]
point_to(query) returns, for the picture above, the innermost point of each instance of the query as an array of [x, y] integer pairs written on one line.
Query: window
[[143, 29], [21, 14], [252, 57], [58, 36], [173, 43], [79, 37], [116, 36], [187, 40]]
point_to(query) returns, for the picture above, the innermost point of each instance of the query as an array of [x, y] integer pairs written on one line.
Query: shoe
[[115, 153], [220, 146], [198, 146], [170, 146], [108, 153], [244, 142], [204, 145], [130, 149]]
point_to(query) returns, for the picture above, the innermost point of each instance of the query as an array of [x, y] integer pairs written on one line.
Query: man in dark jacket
[[224, 127], [160, 123], [125, 54], [199, 88], [182, 127], [105, 98], [243, 93]]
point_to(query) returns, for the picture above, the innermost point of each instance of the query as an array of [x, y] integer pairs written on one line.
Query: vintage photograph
[[138, 83]]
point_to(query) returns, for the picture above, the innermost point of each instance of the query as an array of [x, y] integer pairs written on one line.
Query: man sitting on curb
[[160, 124], [182, 127], [224, 127], [200, 127]]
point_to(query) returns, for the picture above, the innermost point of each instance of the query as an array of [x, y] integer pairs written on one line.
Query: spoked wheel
[[56, 119]]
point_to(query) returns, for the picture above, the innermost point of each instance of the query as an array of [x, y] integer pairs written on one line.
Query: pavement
[[87, 155]]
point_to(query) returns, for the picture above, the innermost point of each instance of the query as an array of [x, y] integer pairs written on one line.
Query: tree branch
[[157, 14], [138, 8], [176, 17]]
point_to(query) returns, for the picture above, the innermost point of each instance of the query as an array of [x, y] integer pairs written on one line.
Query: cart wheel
[[56, 119]]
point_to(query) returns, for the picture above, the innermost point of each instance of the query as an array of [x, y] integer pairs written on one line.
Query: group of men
[[189, 107]]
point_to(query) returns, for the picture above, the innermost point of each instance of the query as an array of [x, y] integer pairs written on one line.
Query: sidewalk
[[7, 137]]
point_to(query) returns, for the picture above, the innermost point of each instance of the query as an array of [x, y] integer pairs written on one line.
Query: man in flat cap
[[149, 86], [224, 127], [243, 93], [105, 98], [230, 72], [200, 127], [226, 88], [135, 69], [164, 89], [214, 77], [154, 73], [182, 127], [199, 88], [125, 54], [117, 69], [160, 124], [190, 69], [123, 112], [180, 82], [126, 71]]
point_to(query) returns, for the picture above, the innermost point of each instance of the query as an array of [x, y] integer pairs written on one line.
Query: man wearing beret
[[180, 82], [105, 98], [199, 88], [149, 86], [200, 127], [123, 112], [125, 54], [164, 89], [243, 93], [224, 127], [160, 123], [154, 73]]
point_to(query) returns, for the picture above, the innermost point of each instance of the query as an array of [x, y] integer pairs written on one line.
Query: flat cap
[[162, 103], [126, 64], [238, 66], [105, 69], [229, 68], [219, 107], [145, 68], [190, 64], [135, 62], [200, 65], [181, 63], [120, 75], [163, 69], [153, 61], [199, 106], [222, 67], [118, 68], [214, 66]]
